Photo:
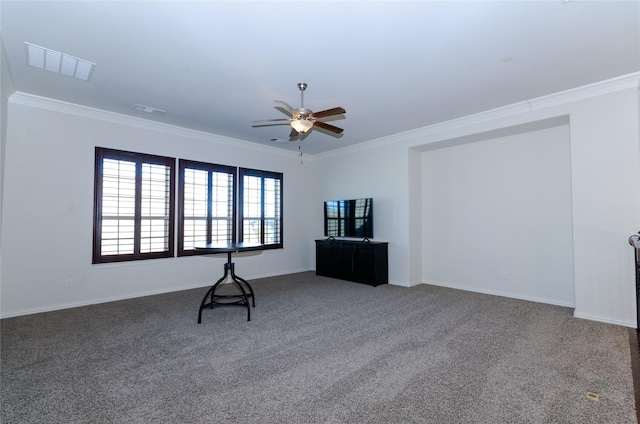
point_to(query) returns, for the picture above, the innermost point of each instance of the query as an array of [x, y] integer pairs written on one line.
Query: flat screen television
[[349, 218]]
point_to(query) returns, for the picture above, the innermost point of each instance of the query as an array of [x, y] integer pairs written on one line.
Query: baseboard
[[80, 304], [502, 294], [51, 308], [269, 275], [605, 319], [576, 314], [402, 284]]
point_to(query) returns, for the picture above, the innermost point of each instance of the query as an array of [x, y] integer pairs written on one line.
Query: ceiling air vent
[[60, 63], [147, 109]]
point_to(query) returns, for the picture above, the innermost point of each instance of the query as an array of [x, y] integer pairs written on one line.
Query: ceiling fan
[[302, 120]]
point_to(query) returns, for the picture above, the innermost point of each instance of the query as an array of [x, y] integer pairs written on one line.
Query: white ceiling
[[215, 66]]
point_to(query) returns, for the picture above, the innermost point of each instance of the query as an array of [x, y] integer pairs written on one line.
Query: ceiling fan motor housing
[[302, 119], [304, 112]]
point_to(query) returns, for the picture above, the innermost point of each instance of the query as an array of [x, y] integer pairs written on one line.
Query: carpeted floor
[[317, 350]]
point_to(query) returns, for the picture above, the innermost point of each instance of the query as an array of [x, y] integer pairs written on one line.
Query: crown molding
[[45, 103], [556, 99], [600, 88]]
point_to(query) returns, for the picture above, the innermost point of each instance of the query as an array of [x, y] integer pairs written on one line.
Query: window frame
[[139, 159], [184, 164], [242, 172]]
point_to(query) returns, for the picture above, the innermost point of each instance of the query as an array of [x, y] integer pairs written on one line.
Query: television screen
[[348, 218]]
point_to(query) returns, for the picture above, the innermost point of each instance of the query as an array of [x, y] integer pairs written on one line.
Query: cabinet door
[[323, 258], [343, 260], [363, 263], [370, 264]]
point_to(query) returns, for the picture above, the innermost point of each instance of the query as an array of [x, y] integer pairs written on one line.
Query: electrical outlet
[[68, 283], [506, 275]]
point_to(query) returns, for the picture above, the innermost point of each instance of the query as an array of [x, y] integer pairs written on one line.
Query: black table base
[[212, 300]]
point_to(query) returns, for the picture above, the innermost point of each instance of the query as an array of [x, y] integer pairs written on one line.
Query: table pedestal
[[212, 300]]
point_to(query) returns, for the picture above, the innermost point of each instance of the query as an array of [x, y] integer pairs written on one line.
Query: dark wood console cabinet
[[360, 261]]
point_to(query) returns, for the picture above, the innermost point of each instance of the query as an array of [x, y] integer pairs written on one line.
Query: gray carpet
[[317, 350]]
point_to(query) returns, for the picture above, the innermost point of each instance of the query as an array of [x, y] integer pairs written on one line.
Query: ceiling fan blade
[[328, 112], [284, 106], [267, 124], [272, 120], [328, 127], [293, 133]]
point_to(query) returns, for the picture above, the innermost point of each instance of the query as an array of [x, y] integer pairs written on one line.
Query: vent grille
[[60, 63], [147, 109]]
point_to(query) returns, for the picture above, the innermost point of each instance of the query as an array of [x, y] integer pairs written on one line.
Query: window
[[261, 207], [206, 205], [133, 206]]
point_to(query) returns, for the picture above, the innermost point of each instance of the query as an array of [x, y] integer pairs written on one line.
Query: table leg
[[240, 283]]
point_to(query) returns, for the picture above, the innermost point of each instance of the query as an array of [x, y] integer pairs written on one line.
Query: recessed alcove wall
[[587, 149], [496, 212], [602, 126]]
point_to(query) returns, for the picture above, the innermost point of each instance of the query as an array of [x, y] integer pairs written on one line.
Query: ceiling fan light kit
[[301, 125], [302, 120]]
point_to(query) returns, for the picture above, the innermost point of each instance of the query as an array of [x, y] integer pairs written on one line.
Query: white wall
[[604, 127], [370, 173], [48, 197], [6, 89], [605, 188], [605, 156], [497, 218], [48, 208]]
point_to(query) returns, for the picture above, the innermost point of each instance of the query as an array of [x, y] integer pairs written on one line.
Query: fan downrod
[[302, 86]]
